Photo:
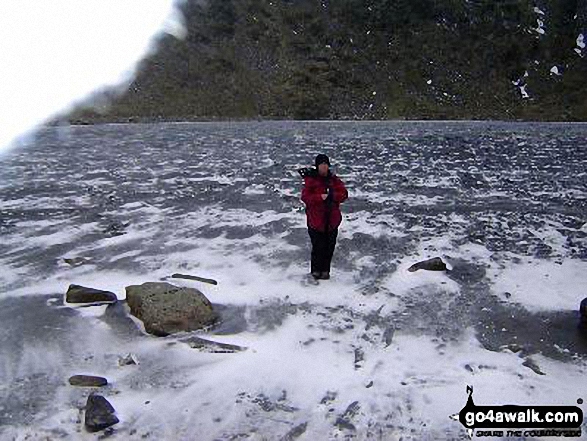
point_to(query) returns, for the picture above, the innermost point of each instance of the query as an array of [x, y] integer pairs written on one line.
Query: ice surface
[[543, 285], [502, 204]]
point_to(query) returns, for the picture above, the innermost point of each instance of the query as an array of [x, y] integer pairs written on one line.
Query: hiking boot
[[316, 275], [325, 276]]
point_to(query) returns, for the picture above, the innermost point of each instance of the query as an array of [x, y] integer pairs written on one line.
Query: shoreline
[[61, 123]]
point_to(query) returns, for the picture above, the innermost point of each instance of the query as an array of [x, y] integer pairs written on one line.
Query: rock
[[87, 381], [531, 364], [99, 414], [199, 279], [116, 228], [76, 261], [435, 264], [583, 311], [211, 346], [514, 347], [388, 335], [296, 432], [81, 294], [166, 309], [127, 360], [359, 358], [329, 397], [344, 421]]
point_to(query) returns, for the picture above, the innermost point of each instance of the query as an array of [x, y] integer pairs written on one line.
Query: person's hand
[[324, 196]]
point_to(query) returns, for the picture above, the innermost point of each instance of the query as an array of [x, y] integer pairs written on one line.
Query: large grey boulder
[[166, 309], [99, 414], [82, 294]]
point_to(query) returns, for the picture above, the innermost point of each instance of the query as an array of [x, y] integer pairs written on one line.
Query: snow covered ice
[[376, 352]]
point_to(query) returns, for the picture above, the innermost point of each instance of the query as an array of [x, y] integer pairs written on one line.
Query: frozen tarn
[[376, 352]]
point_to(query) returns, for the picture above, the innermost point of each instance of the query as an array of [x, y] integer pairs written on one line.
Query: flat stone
[[87, 381], [196, 278], [531, 364], [434, 264], [211, 346], [82, 294]]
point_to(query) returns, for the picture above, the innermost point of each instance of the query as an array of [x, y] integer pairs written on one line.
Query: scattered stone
[[373, 318], [99, 414], [116, 229], [296, 432], [76, 261], [166, 309], [211, 346], [435, 264], [82, 294], [199, 279], [388, 335], [359, 358], [369, 385], [269, 406], [344, 421], [127, 360], [329, 397], [87, 381], [507, 295], [529, 363], [514, 347], [469, 368]]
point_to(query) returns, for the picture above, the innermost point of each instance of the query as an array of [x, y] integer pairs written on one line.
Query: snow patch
[[543, 285], [538, 10], [554, 70], [523, 92], [540, 28]]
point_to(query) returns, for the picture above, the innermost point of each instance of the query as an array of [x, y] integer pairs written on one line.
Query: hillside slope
[[365, 59]]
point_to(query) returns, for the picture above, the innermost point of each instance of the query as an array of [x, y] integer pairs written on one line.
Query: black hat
[[321, 159]]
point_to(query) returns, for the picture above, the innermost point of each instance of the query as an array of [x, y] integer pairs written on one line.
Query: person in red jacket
[[322, 193]]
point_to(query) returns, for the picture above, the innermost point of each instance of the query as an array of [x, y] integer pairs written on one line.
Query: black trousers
[[322, 249]]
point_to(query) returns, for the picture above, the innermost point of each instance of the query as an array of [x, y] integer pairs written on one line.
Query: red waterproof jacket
[[322, 213]]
